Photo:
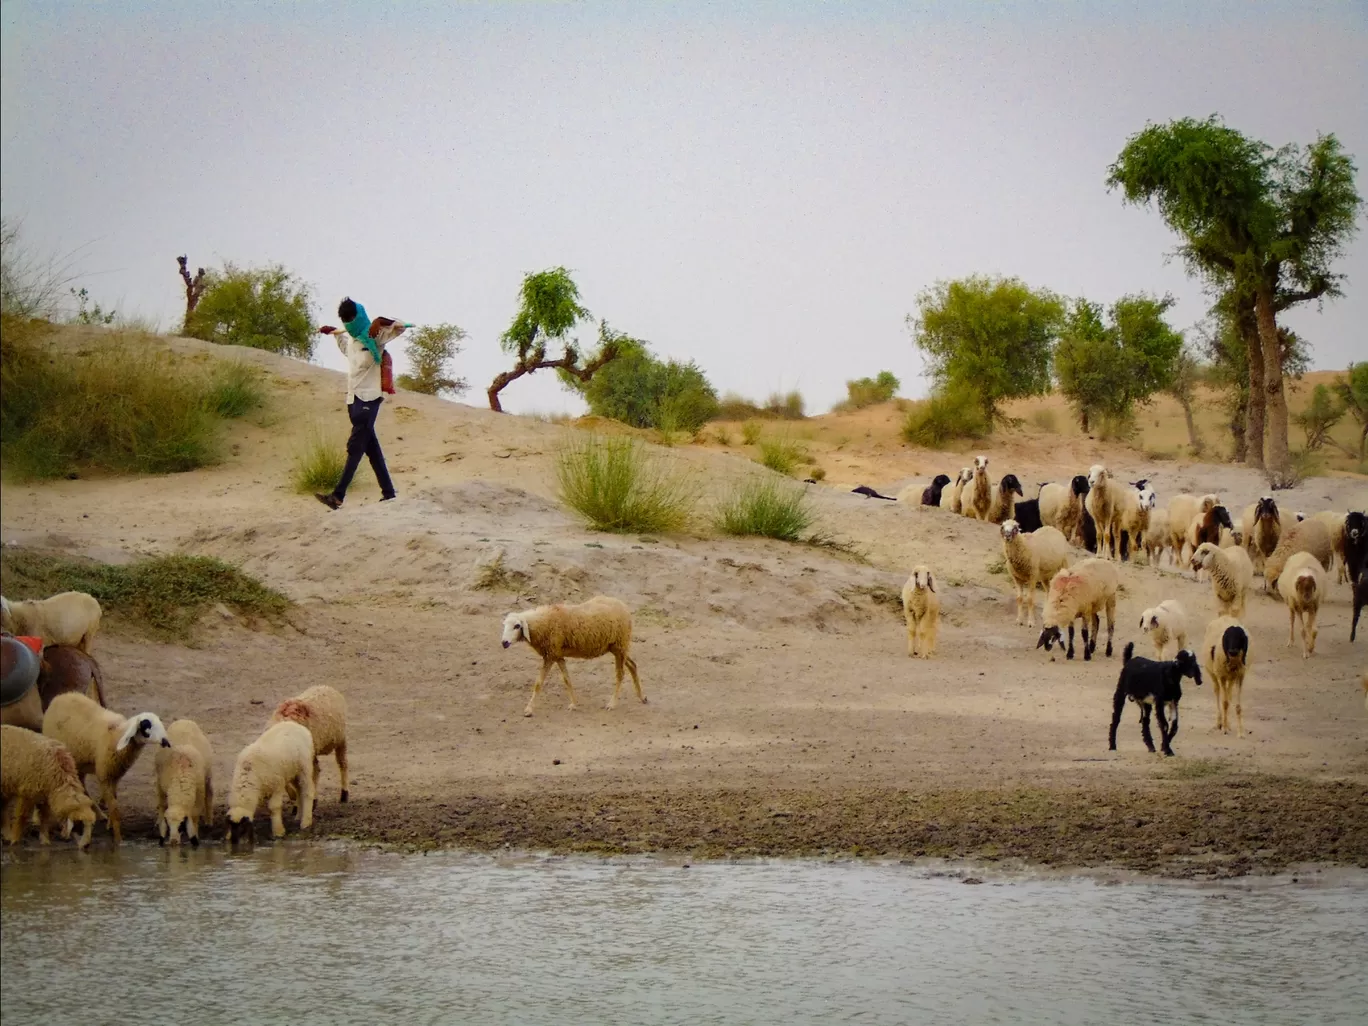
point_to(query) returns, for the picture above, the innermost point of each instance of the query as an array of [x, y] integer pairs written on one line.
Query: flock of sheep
[[60, 732], [1041, 539]]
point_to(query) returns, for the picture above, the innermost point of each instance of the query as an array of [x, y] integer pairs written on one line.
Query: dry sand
[[784, 714]]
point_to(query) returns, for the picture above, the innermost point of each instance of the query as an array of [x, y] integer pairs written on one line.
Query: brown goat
[[66, 668], [1209, 525]]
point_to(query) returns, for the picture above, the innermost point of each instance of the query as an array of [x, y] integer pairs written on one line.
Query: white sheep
[[37, 772], [1061, 506], [921, 610], [1225, 653], [69, 618], [1310, 535], [265, 770], [185, 783], [1101, 502], [1032, 560], [1164, 623], [1131, 515], [1302, 586], [585, 631], [1157, 539], [102, 742], [980, 498], [1081, 592], [324, 711], [1334, 523], [952, 497], [1181, 509], [1232, 573]]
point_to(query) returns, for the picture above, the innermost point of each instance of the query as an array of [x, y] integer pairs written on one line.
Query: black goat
[[931, 494], [1027, 515], [1355, 544], [870, 493], [1154, 685], [1089, 529], [1360, 595]]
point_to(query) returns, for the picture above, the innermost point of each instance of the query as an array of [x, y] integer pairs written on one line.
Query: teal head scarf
[[359, 328]]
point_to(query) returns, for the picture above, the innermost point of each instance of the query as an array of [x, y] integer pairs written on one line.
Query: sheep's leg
[[929, 627], [911, 634], [1070, 653], [277, 806], [1164, 735], [1030, 605], [565, 675], [541, 679], [112, 804], [1291, 625], [340, 752], [1021, 601], [14, 829], [1238, 688], [1118, 704], [1309, 633], [208, 802], [1145, 726], [617, 680], [306, 801], [1111, 626], [1216, 692], [636, 681]]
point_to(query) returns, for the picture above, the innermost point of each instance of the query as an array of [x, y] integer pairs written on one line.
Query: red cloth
[[34, 643]]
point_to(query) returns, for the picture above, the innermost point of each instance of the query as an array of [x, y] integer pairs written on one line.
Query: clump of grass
[[495, 576], [998, 566], [163, 595], [615, 484], [816, 473], [952, 412], [1046, 420], [318, 462], [750, 432], [235, 390], [724, 437], [780, 455], [765, 507]]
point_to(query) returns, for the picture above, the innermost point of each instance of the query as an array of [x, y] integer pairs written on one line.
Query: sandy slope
[[776, 673]]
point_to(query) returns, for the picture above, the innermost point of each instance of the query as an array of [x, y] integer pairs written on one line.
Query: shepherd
[[368, 375]]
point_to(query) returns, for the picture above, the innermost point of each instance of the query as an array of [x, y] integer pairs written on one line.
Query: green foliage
[[778, 406], [88, 313], [766, 507], [548, 307], [864, 392], [429, 349], [644, 392], [235, 390], [750, 432], [1322, 413], [785, 406], [163, 595], [318, 462], [953, 411], [615, 484], [1352, 391], [781, 455], [259, 307], [993, 335]]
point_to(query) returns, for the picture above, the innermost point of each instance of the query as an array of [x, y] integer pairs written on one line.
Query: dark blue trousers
[[363, 442]]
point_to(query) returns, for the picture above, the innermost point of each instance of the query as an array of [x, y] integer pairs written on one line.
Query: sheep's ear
[[130, 733], [930, 581]]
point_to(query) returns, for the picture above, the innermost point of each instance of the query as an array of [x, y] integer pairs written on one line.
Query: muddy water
[[329, 934]]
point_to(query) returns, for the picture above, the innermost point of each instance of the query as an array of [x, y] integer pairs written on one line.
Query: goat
[[1155, 685]]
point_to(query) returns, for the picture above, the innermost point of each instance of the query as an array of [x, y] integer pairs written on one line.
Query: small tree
[[261, 307], [993, 335], [644, 392], [1322, 413], [428, 350], [194, 287], [864, 392], [1187, 372], [1352, 391]]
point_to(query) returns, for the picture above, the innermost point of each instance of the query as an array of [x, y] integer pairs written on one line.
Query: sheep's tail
[[1127, 652]]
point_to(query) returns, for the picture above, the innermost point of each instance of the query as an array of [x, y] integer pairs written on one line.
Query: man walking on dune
[[362, 342]]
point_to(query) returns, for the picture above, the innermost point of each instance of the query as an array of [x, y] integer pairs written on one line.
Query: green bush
[[615, 484], [263, 307], [779, 406], [164, 595], [235, 390], [639, 390], [954, 411], [785, 406], [766, 507], [429, 349], [750, 432], [780, 455], [318, 462], [864, 392]]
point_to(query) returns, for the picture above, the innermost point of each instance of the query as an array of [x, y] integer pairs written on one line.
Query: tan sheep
[[1302, 585], [1309, 535], [265, 770], [1132, 514], [1164, 623], [1334, 523], [1260, 526], [980, 498], [102, 742], [1181, 509], [324, 711], [952, 497], [1103, 495], [185, 783], [69, 618], [37, 772], [1081, 592], [1231, 575], [1005, 496], [1225, 653], [585, 631], [1157, 537], [921, 610], [1061, 506], [1032, 560]]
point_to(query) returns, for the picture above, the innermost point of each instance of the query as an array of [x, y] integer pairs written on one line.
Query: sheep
[[324, 711], [69, 618], [1206, 526], [931, 494], [38, 772], [952, 500], [1061, 506], [1004, 505], [1225, 652], [1156, 539], [1308, 535], [1302, 586], [585, 631], [1231, 575], [103, 743], [1101, 504], [185, 783], [1087, 532], [1181, 509], [1167, 620], [921, 610], [1260, 525], [1334, 523], [1360, 598], [282, 756], [980, 499], [66, 668], [1131, 516], [1082, 591], [1355, 543], [21, 703], [1032, 560], [1027, 516], [1153, 685]]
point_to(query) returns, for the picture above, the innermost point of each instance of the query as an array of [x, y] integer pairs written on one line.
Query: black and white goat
[[1154, 685]]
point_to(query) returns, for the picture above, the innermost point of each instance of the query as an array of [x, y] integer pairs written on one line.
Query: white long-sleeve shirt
[[363, 370]]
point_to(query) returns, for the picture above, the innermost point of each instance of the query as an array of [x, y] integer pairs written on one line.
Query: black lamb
[[1153, 685], [931, 494], [1360, 595], [1089, 530], [1027, 515], [1355, 543]]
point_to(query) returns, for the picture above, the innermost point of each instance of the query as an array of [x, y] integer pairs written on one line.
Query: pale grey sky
[[761, 187]]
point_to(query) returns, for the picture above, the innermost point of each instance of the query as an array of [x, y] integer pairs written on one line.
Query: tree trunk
[[194, 288], [1238, 426], [1194, 440], [1083, 419], [498, 384], [1275, 398], [1255, 414]]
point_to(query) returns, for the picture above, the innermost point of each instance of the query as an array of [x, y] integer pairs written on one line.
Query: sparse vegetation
[[1352, 391], [723, 436], [779, 406], [261, 307], [750, 432], [816, 473], [30, 285], [429, 349], [163, 595], [864, 392], [615, 484], [1045, 420], [765, 507], [235, 389], [780, 455], [1322, 413], [318, 462], [953, 411]]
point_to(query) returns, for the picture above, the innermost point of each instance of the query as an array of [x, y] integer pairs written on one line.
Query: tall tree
[[1266, 224], [549, 307], [994, 335]]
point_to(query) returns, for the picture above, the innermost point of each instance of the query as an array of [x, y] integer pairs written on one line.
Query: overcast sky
[[762, 188]]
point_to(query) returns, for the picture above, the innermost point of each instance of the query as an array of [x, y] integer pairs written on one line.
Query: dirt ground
[[784, 714]]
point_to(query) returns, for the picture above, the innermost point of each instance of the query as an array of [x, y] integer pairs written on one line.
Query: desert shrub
[[263, 307], [644, 392], [816, 473], [750, 432], [429, 349], [864, 392], [235, 389], [780, 455], [953, 411], [785, 406], [615, 484], [1118, 427], [164, 595], [779, 406], [30, 285], [1322, 413], [318, 461], [766, 507], [724, 437]]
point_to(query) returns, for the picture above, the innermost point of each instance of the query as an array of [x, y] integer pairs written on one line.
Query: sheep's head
[[980, 464], [181, 832], [1010, 529], [1097, 472], [240, 828], [1266, 509], [1187, 666], [1149, 620], [1049, 637], [1355, 526], [145, 728], [1210, 501], [1080, 484], [1148, 500], [922, 579], [515, 629], [1201, 558], [1306, 585], [1221, 515], [966, 475], [1235, 645], [1011, 484], [940, 481], [1300, 516]]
